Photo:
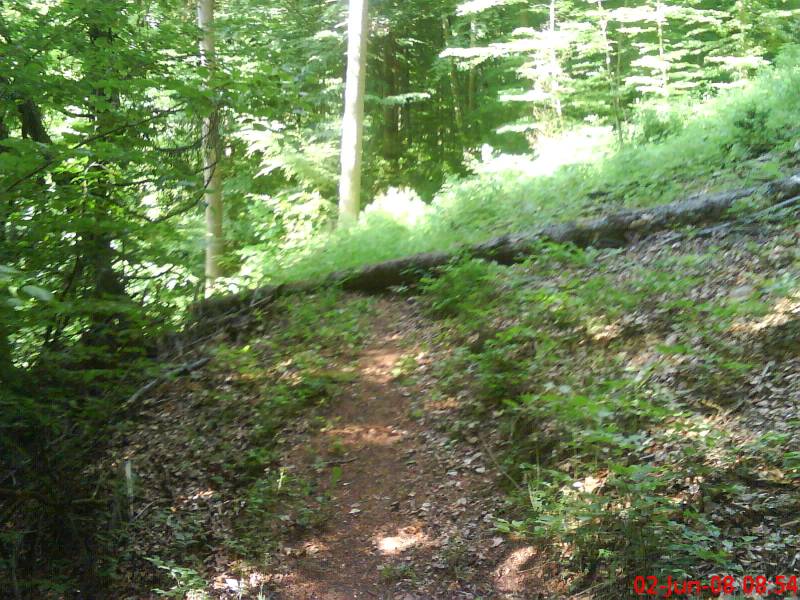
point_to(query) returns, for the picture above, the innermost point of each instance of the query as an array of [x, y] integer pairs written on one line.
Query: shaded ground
[[343, 447], [412, 513], [365, 497]]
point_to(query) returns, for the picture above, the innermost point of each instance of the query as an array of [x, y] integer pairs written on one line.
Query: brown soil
[[410, 514]]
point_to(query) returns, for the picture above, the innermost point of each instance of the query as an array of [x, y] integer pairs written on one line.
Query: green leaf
[[36, 292], [336, 475]]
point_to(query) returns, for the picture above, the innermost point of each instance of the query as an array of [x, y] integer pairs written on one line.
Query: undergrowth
[[622, 389], [740, 138], [219, 443]]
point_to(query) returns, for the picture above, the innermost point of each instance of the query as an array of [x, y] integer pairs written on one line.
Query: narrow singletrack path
[[411, 515]]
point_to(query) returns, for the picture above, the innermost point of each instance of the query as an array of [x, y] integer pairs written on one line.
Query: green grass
[[741, 137]]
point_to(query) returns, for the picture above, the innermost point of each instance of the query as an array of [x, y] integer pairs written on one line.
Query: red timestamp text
[[781, 585]]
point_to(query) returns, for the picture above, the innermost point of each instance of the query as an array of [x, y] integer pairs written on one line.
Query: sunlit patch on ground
[[314, 547], [379, 365], [367, 435], [253, 582], [590, 484], [604, 332], [784, 310], [448, 403], [405, 538], [513, 573]]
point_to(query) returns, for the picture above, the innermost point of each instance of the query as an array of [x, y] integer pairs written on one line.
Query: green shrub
[[675, 150]]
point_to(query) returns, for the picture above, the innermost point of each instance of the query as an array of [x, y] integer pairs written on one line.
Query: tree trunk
[[391, 112], [664, 78], [613, 82], [31, 122], [405, 128], [555, 68], [614, 230], [473, 74], [8, 205], [454, 92], [212, 174], [96, 251], [353, 119]]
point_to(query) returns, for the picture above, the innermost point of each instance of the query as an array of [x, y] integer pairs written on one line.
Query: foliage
[[619, 446], [186, 580], [221, 439], [721, 136], [483, 117]]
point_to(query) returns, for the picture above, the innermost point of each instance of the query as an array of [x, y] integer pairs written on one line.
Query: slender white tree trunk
[[555, 68], [473, 37], [353, 120], [661, 54], [454, 91], [212, 174], [613, 82]]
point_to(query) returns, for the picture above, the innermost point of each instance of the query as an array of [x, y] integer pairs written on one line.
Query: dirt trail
[[411, 515]]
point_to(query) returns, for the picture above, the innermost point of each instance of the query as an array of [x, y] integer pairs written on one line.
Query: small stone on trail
[[232, 584]]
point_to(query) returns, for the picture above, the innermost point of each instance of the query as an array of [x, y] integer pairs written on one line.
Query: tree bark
[[610, 231], [613, 82], [353, 119], [96, 252], [7, 203], [391, 112], [31, 127], [31, 122], [454, 91], [555, 68], [473, 75], [212, 173], [405, 129], [660, 20]]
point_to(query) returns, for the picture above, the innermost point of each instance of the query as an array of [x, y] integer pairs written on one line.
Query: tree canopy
[[120, 120]]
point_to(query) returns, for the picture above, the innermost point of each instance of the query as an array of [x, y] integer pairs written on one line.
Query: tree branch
[[93, 138]]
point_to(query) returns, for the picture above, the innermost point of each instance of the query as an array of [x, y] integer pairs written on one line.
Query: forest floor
[[402, 510], [413, 447], [412, 516]]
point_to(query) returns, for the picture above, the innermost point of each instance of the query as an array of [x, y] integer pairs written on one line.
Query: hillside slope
[[550, 429]]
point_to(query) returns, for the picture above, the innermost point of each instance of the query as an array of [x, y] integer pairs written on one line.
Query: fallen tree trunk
[[613, 230]]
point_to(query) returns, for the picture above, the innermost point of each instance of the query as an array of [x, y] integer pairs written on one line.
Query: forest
[[422, 299]]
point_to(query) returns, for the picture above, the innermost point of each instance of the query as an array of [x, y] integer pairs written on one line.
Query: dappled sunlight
[[372, 435], [234, 581], [590, 484], [400, 205], [379, 369], [404, 539], [585, 144], [525, 569], [442, 404], [509, 309], [783, 311], [200, 495], [603, 332]]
